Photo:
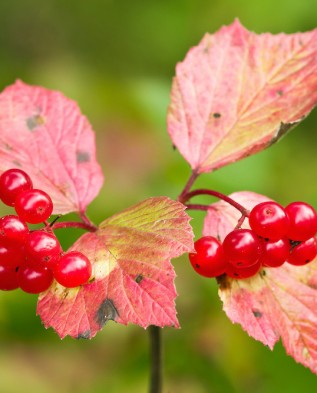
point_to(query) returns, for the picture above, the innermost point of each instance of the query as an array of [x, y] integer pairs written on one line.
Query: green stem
[[156, 359]]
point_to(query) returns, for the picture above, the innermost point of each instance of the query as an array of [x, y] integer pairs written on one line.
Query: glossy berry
[[11, 256], [34, 206], [303, 221], [240, 273], [303, 253], [242, 247], [42, 249], [275, 253], [12, 182], [13, 231], [8, 278], [209, 259], [34, 279], [72, 269], [269, 220]]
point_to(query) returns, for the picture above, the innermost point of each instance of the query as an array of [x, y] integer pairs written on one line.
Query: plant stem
[[75, 224], [156, 359], [216, 194], [190, 182]]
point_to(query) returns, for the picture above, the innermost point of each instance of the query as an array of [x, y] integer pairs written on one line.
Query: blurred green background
[[117, 59]]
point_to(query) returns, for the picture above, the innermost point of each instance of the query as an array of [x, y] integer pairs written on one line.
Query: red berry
[[303, 221], [8, 278], [11, 256], [34, 206], [275, 253], [72, 269], [242, 272], [303, 253], [242, 247], [209, 259], [34, 279], [12, 182], [269, 220], [42, 249], [13, 231]]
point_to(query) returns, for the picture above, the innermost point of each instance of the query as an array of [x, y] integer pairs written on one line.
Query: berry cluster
[[277, 235], [30, 260]]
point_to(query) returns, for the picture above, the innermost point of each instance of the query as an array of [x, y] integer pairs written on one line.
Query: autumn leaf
[[133, 278], [277, 302], [45, 134], [237, 93]]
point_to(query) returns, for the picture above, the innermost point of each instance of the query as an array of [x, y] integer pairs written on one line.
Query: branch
[[156, 359]]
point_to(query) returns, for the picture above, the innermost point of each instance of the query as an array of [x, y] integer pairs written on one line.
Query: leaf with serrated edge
[[277, 302], [237, 92], [133, 278], [45, 134]]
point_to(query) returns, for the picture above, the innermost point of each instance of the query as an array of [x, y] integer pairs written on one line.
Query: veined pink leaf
[[277, 302], [133, 278], [237, 92], [45, 134]]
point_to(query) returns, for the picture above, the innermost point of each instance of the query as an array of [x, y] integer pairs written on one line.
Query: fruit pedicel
[[32, 259]]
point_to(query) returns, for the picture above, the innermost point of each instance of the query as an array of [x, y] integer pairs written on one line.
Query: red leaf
[[277, 302], [237, 92], [44, 133], [133, 279]]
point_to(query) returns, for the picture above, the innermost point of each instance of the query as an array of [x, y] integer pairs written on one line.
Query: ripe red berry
[[13, 231], [303, 253], [303, 221], [11, 256], [8, 278], [42, 249], [12, 182], [34, 279], [269, 220], [209, 259], [34, 206], [242, 247], [240, 273], [72, 269], [275, 253]]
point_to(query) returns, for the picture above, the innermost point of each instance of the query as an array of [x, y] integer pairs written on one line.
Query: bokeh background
[[117, 60]]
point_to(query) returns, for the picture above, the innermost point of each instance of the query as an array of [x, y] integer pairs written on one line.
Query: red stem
[[216, 194], [182, 197], [75, 224]]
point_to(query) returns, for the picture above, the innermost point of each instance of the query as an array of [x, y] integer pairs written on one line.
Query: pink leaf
[[44, 133], [277, 302], [237, 92], [133, 278]]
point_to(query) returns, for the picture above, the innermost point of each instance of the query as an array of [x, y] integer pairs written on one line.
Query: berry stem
[[203, 191], [156, 359], [75, 224]]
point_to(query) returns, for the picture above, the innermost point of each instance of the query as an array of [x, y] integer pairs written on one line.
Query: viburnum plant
[[235, 94]]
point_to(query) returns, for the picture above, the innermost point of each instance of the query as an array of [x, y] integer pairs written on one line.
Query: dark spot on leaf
[[85, 335], [223, 282], [8, 147], [83, 156], [216, 115], [34, 121], [138, 278], [279, 92], [257, 313], [262, 273], [106, 311]]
